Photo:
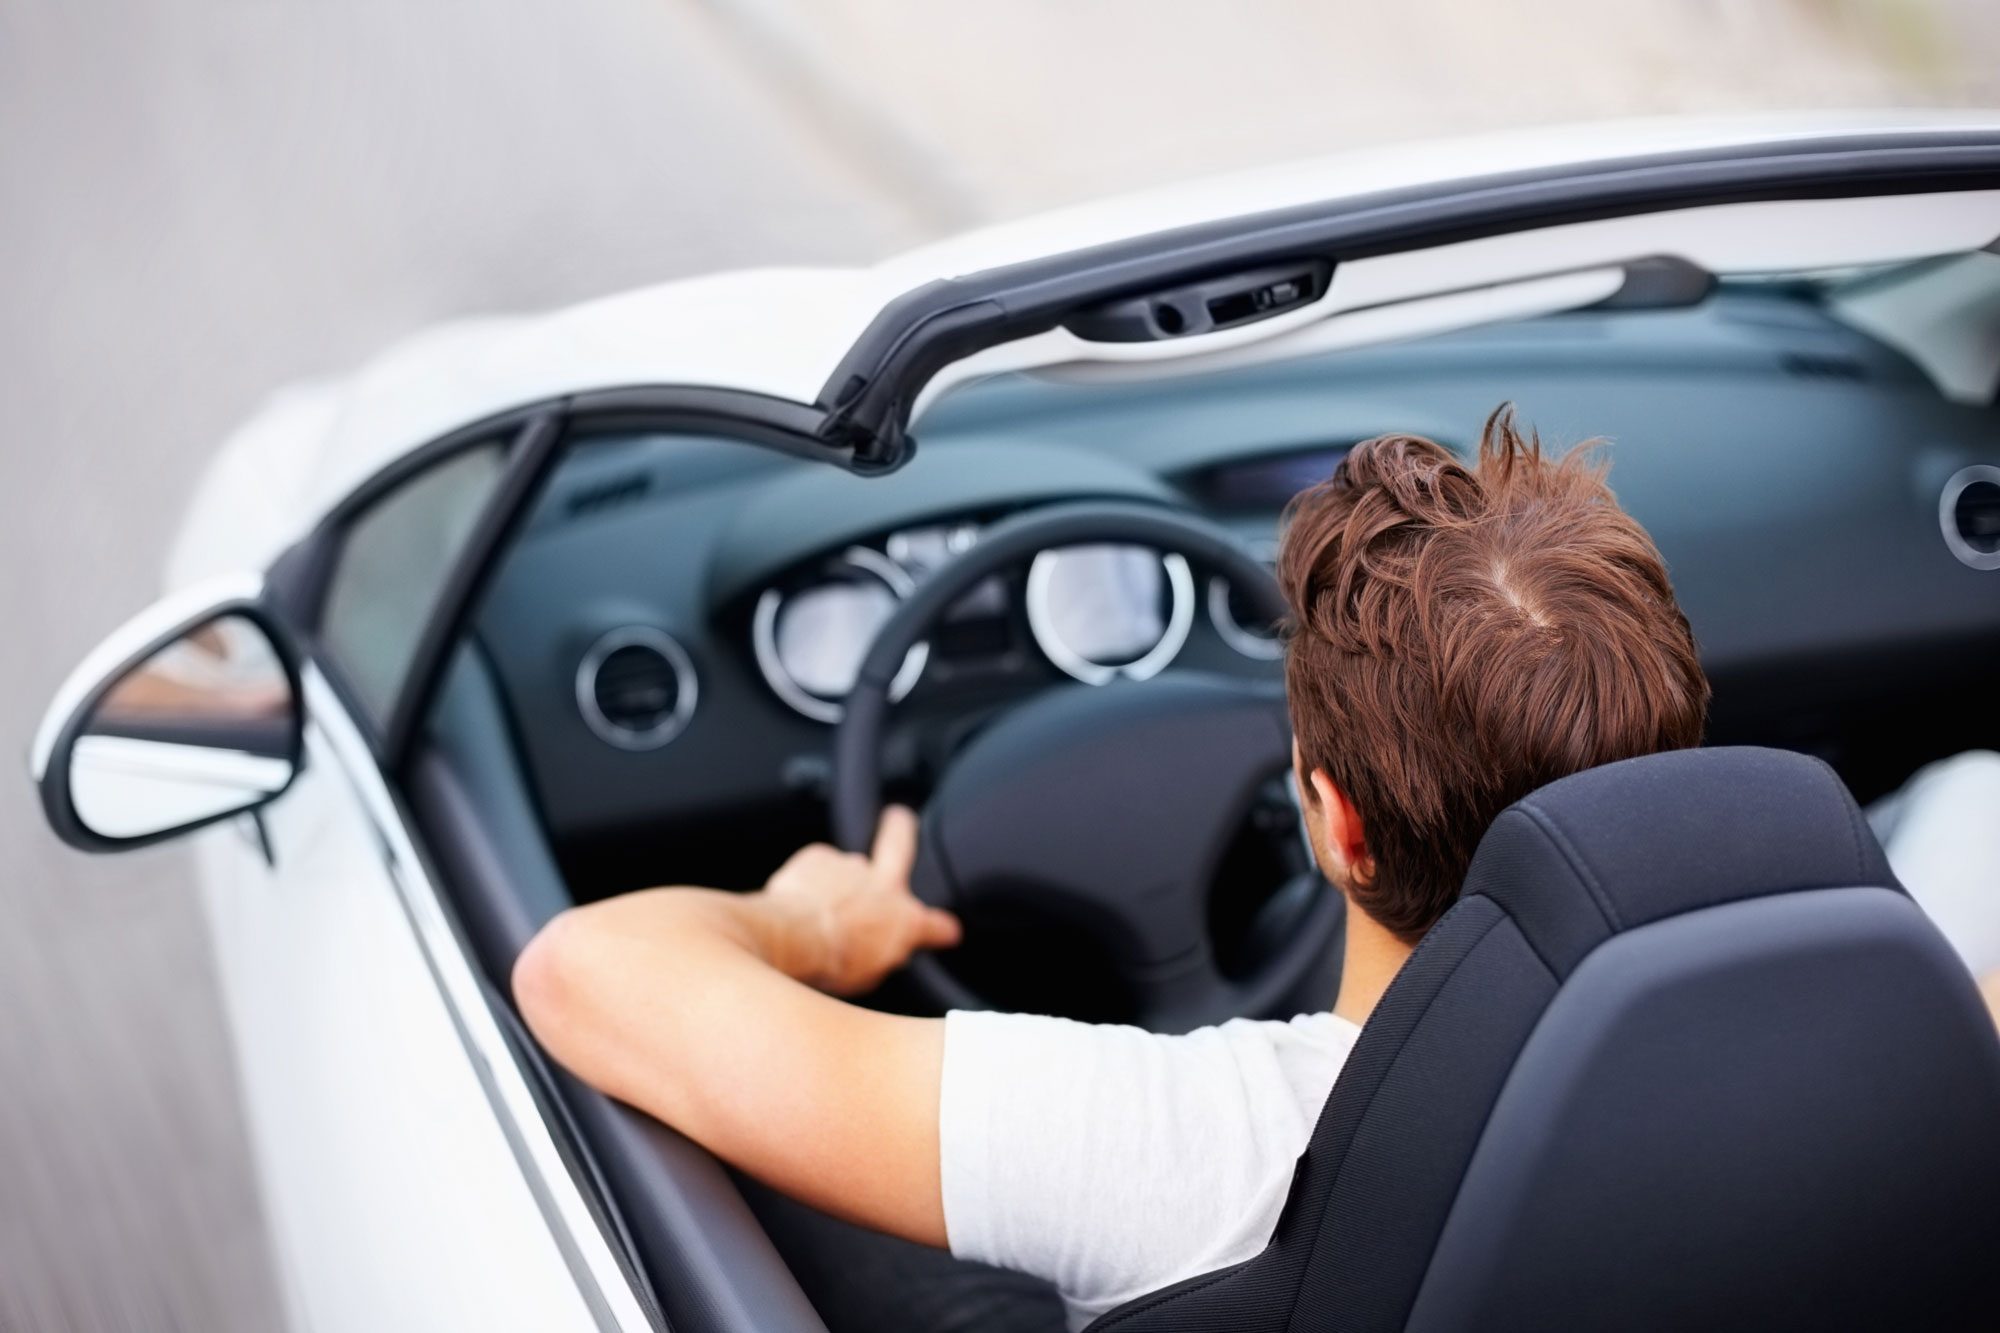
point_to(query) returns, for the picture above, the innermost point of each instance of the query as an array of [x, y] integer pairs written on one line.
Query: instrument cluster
[[1097, 613]]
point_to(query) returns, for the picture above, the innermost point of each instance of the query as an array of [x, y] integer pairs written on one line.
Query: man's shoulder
[[1114, 1160], [1306, 1048]]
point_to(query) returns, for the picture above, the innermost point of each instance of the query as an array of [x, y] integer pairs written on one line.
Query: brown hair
[[1460, 636]]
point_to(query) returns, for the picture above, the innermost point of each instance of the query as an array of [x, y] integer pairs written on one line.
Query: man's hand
[[845, 921], [709, 1010]]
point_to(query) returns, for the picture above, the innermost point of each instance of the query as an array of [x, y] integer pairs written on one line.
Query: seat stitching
[[1576, 862]]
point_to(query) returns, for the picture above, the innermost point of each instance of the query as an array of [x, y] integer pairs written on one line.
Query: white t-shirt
[[1114, 1161], [1941, 832]]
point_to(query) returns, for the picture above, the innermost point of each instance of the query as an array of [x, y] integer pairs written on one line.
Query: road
[[200, 200]]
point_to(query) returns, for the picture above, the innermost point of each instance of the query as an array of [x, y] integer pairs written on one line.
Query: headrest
[[1640, 840]]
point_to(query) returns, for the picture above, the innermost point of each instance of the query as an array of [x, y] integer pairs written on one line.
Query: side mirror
[[181, 719]]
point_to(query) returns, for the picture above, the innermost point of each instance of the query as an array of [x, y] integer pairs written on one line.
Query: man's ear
[[1342, 835]]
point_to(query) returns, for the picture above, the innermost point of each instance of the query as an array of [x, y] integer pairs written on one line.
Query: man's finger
[[895, 844], [941, 930], [812, 851]]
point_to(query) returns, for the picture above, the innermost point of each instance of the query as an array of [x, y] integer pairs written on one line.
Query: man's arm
[[710, 1011]]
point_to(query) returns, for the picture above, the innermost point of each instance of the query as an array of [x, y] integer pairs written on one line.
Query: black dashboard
[[671, 628]]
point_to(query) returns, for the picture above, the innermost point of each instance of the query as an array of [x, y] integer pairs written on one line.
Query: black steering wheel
[[1108, 805]]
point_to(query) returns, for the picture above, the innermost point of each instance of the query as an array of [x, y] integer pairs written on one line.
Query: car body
[[421, 1165]]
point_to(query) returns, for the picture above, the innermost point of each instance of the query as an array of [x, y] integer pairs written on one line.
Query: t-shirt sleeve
[[1113, 1161]]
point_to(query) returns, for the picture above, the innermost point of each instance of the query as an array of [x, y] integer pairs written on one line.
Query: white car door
[[410, 1181], [409, 1178], [393, 1196]]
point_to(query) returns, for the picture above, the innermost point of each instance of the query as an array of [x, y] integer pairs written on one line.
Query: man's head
[[1459, 637]]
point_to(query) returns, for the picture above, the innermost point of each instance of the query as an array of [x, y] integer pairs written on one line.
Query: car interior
[[654, 686]]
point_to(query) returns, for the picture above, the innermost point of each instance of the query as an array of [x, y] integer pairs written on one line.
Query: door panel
[[394, 1195]]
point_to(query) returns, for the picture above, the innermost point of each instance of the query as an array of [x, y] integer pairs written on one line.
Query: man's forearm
[[784, 936], [638, 995], [695, 1006]]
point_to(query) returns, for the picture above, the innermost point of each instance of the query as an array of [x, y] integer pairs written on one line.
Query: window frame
[[301, 581], [534, 437]]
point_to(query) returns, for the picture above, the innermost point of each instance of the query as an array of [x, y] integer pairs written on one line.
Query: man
[[1460, 636]]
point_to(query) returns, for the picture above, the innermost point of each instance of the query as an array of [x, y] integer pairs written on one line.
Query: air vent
[[1822, 366], [636, 688], [1969, 514], [608, 493]]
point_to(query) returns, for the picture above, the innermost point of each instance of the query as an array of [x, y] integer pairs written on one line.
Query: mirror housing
[[189, 714]]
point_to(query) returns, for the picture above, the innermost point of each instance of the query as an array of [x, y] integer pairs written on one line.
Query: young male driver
[[1460, 636]]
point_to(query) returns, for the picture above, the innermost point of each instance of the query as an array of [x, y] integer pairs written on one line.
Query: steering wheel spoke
[[930, 877]]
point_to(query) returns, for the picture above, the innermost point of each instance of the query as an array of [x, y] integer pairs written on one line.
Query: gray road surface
[[201, 199]]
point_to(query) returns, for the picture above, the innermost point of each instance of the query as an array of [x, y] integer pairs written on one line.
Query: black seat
[[1683, 1056]]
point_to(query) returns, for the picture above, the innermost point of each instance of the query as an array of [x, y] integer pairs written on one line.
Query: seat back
[[1684, 1055]]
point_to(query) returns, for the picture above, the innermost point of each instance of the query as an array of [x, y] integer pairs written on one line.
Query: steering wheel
[[1111, 806]]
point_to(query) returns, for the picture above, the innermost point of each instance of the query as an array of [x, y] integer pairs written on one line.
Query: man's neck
[[1369, 962]]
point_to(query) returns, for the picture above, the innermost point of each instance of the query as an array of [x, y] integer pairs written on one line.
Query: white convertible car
[[532, 611]]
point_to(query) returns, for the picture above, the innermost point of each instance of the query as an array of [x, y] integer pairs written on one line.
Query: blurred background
[[201, 200]]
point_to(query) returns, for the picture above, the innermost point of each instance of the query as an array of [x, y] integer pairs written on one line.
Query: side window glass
[[393, 565]]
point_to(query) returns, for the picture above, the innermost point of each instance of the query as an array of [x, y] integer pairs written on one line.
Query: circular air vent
[[636, 688], [1969, 514]]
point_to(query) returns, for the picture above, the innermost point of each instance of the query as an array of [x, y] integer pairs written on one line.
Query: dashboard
[[680, 617]]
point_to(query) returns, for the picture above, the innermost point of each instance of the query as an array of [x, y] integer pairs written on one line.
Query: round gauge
[[1104, 611], [1234, 620], [810, 643]]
